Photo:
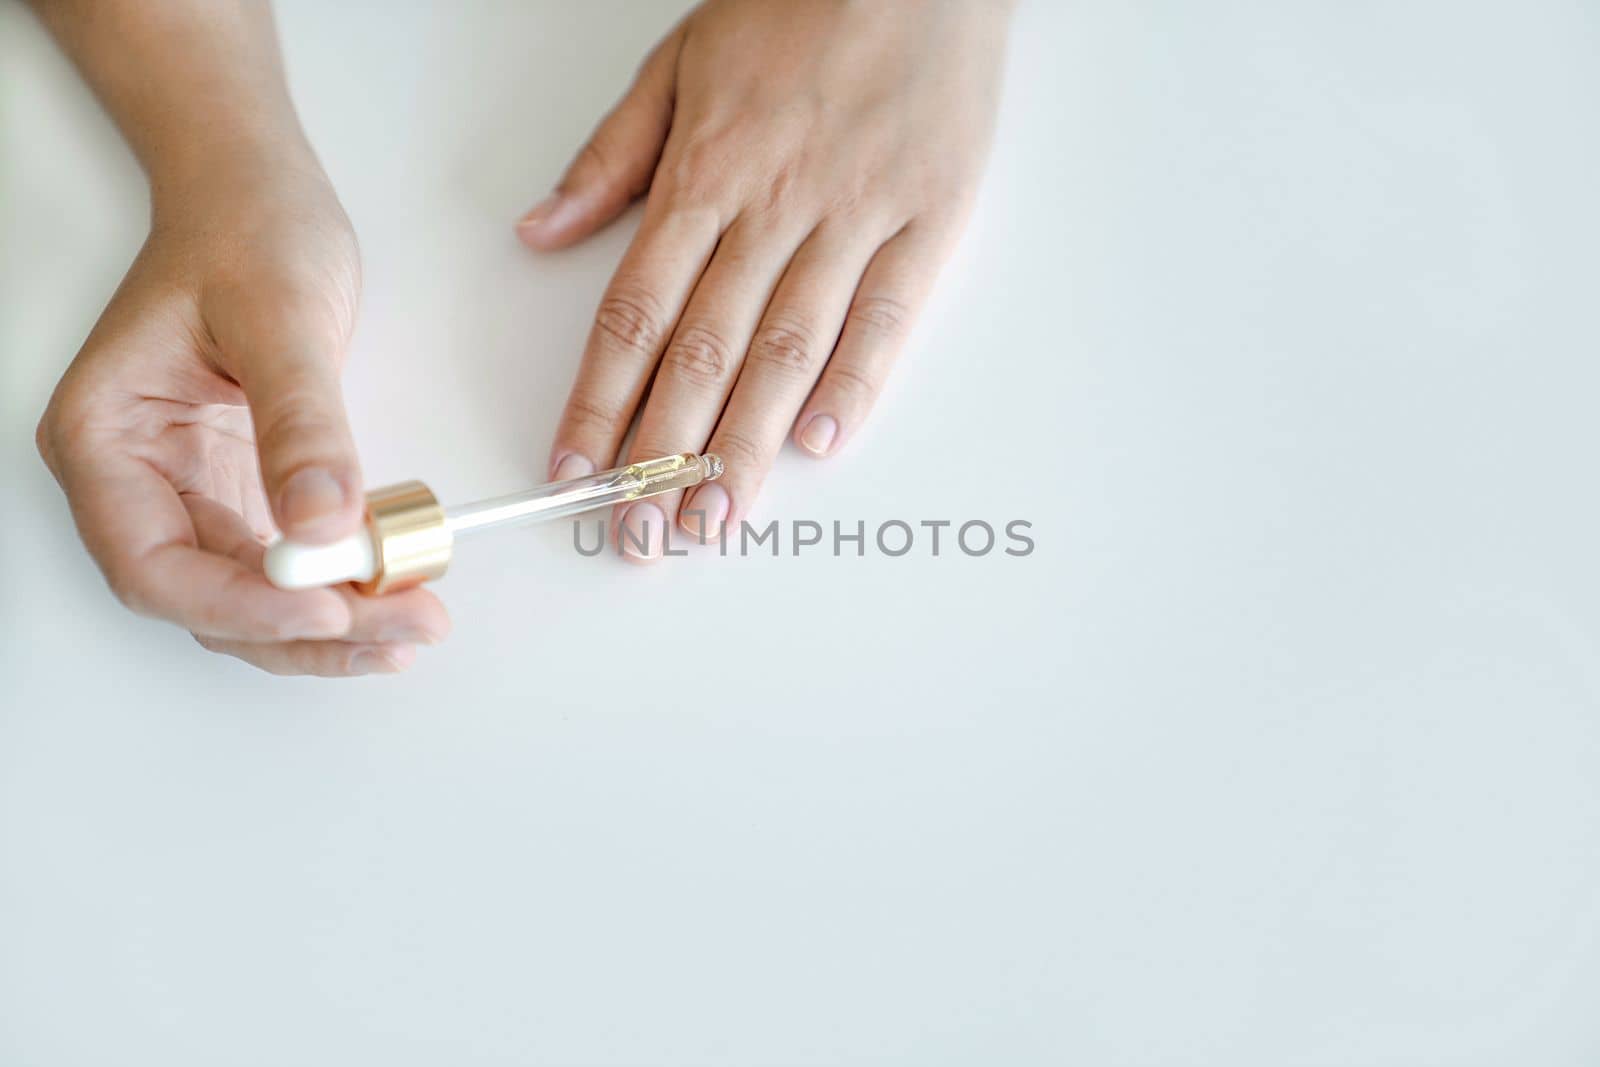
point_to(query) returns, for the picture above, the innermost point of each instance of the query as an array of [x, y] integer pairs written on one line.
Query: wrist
[[211, 173], [259, 219]]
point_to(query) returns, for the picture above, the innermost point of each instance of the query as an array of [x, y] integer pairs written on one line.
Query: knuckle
[[786, 344], [283, 631], [129, 591], [68, 416], [853, 382], [584, 412], [593, 156], [296, 417], [885, 316], [691, 194], [700, 355], [631, 318], [702, 153], [781, 188], [41, 441], [698, 171], [740, 451], [612, 164]]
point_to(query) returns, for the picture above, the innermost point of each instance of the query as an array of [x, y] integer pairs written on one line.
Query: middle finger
[[701, 362]]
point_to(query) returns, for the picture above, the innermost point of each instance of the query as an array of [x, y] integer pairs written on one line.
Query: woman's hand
[[809, 164], [237, 311], [233, 319]]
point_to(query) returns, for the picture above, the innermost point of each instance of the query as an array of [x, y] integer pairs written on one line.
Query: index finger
[[138, 531], [631, 327]]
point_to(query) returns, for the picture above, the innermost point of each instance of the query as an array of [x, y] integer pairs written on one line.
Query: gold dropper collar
[[410, 538]]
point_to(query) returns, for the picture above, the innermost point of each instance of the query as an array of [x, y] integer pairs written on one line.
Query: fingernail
[[550, 214], [705, 512], [644, 527], [818, 435], [573, 465], [389, 660], [310, 494]]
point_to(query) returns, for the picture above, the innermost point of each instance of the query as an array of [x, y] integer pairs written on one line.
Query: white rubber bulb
[[291, 565]]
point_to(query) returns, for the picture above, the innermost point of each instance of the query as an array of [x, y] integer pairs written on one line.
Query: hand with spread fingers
[[808, 165]]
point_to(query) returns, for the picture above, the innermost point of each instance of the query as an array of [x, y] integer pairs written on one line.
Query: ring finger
[[701, 362]]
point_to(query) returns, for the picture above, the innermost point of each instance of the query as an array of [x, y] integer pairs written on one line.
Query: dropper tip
[[713, 466]]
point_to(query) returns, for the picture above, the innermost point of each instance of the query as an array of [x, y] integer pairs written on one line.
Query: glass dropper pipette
[[577, 495], [409, 537]]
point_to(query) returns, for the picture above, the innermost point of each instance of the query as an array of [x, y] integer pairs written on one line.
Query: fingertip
[[535, 237], [434, 625], [705, 514], [553, 224], [642, 532], [816, 435], [571, 465], [400, 656], [439, 627]]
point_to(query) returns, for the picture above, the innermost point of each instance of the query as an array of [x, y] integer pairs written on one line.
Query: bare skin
[[205, 405], [808, 165]]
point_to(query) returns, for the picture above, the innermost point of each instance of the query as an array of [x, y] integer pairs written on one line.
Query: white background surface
[[1276, 320]]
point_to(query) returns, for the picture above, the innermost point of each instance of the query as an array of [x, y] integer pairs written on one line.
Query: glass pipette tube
[[575, 495]]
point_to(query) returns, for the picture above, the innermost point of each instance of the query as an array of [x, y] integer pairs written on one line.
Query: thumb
[[289, 371], [616, 164]]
